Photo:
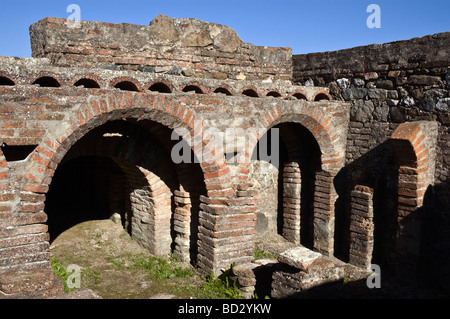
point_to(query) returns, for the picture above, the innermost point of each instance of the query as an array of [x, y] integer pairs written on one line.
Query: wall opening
[[222, 91], [15, 153], [321, 97], [126, 86], [87, 84], [376, 170], [289, 210], [250, 93], [80, 192], [125, 167], [160, 87], [274, 94], [47, 81], [193, 88], [299, 96], [4, 81]]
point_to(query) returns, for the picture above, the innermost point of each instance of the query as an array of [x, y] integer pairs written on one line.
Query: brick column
[[182, 225], [291, 202], [361, 227], [227, 230], [325, 197]]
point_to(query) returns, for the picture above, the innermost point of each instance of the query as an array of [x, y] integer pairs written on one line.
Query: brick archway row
[[170, 87]]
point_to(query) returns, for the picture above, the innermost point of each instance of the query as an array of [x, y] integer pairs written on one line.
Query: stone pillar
[[291, 202], [182, 225], [361, 227]]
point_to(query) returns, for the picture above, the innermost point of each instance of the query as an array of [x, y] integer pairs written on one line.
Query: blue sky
[[303, 25]]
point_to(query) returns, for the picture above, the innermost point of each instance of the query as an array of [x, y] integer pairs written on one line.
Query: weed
[[161, 268], [259, 254], [221, 287], [61, 272]]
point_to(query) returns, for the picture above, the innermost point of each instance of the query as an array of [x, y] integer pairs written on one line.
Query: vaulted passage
[[83, 189], [123, 168], [295, 158]]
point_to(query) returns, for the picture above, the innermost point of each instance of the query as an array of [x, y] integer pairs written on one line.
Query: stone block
[[299, 257]]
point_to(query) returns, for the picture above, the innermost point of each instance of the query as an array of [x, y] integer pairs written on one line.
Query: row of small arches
[[162, 87]]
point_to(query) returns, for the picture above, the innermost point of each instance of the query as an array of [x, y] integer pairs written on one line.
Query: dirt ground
[[105, 253]]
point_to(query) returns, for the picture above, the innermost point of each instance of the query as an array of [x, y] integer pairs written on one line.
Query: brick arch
[[146, 172], [414, 145], [120, 79], [322, 93], [8, 76], [250, 88], [138, 106], [118, 106], [92, 77], [318, 123], [162, 81], [223, 88], [194, 86], [43, 74], [412, 148], [299, 94]]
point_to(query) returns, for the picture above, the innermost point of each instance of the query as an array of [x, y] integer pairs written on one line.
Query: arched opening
[[80, 191], [222, 90], [193, 88], [160, 87], [250, 93], [47, 81], [87, 84], [4, 81], [274, 94], [288, 209], [375, 170], [299, 96], [321, 97], [125, 168], [126, 86]]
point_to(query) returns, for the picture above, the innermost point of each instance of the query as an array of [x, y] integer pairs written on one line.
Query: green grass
[[61, 271], [161, 268], [260, 254], [166, 273]]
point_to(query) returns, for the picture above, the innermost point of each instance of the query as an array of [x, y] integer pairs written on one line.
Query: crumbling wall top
[[188, 47]]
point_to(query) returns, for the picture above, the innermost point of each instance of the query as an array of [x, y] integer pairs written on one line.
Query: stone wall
[[387, 85], [186, 47]]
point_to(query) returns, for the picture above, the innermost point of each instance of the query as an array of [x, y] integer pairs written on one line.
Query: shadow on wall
[[420, 255], [378, 170]]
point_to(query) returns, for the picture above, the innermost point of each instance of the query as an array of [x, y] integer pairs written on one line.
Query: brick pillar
[[291, 202], [182, 225], [325, 197], [227, 230], [412, 184], [361, 227]]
